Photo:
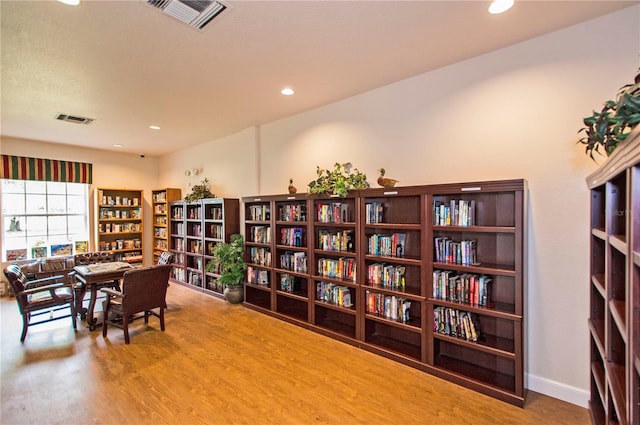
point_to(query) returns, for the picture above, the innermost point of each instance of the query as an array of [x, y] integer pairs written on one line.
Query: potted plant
[[200, 191], [228, 262], [338, 181], [609, 127]]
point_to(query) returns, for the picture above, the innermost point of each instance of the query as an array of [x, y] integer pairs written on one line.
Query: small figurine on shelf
[[385, 181], [292, 188]]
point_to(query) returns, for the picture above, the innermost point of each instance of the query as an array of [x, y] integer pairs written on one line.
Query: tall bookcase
[[614, 320], [119, 223], [194, 229], [160, 200], [370, 269]]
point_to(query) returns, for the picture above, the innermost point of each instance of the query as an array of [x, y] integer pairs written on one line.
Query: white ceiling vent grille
[[74, 119], [196, 13]]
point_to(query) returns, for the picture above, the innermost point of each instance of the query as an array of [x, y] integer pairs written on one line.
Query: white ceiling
[[129, 66]]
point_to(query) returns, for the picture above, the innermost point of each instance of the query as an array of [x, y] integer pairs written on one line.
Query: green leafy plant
[[609, 127], [338, 181], [200, 191], [228, 261]]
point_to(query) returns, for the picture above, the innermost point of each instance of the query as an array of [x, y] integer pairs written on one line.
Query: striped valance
[[51, 170]]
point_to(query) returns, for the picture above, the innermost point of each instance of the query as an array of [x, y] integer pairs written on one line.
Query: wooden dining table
[[91, 277]]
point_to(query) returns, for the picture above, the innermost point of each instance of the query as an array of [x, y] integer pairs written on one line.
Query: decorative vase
[[234, 294]]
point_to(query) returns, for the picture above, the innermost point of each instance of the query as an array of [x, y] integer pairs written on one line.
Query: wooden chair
[[143, 290], [40, 298]]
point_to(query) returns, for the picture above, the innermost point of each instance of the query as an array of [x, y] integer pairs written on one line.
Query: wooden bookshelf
[[160, 200], [120, 224], [371, 260], [614, 320], [194, 229]]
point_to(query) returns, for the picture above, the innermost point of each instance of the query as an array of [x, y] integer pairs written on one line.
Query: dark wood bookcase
[[614, 319], [371, 259], [160, 200], [195, 228]]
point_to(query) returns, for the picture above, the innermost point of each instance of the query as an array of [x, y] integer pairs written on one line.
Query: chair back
[[93, 258], [145, 288], [18, 282]]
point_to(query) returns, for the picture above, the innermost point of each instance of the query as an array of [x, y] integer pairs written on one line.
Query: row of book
[[161, 244], [340, 268], [388, 245], [335, 212], [178, 274], [117, 200], [259, 212], [213, 284], [159, 209], [195, 229], [386, 276], [194, 279], [390, 307], [257, 276], [453, 252], [260, 256], [336, 241], [292, 212], [160, 232], [334, 294], [120, 227], [456, 323], [454, 213], [215, 231], [193, 212], [110, 214], [374, 212], [178, 244], [120, 244], [467, 288], [195, 263], [294, 261], [215, 213], [292, 236], [160, 221], [195, 246], [178, 229], [260, 234], [289, 283], [177, 213]]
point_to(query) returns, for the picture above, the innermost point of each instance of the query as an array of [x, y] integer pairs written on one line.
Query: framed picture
[[61, 249], [39, 252], [81, 247], [16, 254]]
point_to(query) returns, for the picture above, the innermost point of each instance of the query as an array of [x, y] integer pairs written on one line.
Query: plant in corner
[[200, 191], [338, 181], [228, 262], [611, 126]]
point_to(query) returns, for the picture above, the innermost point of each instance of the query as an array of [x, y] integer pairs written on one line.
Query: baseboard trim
[[557, 390]]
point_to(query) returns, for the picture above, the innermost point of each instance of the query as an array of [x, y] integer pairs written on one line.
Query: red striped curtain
[[51, 170]]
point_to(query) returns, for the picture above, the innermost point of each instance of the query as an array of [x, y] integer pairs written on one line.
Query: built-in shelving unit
[[614, 320], [119, 223], [431, 276], [160, 199], [194, 229]]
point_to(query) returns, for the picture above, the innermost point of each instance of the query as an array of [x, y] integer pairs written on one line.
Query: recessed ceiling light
[[70, 2], [117, 145], [287, 91], [499, 6], [154, 127]]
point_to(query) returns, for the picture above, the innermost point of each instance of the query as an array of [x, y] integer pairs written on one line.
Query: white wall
[[512, 113]]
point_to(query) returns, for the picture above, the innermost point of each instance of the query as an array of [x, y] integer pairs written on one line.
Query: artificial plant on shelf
[[338, 181], [610, 126], [200, 191], [228, 263]]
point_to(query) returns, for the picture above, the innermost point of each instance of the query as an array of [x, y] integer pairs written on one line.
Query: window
[[43, 218]]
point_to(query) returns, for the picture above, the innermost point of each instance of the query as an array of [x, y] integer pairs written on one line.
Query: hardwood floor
[[225, 364]]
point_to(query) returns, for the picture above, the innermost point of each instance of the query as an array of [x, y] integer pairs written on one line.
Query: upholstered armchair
[[41, 299], [143, 291]]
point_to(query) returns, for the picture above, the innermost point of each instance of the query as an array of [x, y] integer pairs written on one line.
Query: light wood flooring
[[225, 364]]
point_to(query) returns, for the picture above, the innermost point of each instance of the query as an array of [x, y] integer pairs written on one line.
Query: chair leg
[[162, 318], [125, 327], [146, 316], [73, 316], [25, 326], [105, 317]]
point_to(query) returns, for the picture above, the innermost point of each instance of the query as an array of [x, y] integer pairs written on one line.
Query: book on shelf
[[456, 323], [340, 268], [453, 252], [390, 307], [334, 212], [292, 212], [466, 288], [454, 213], [374, 213], [333, 294], [388, 245], [386, 276]]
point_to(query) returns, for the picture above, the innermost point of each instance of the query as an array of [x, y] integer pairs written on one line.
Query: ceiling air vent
[[196, 13], [74, 119]]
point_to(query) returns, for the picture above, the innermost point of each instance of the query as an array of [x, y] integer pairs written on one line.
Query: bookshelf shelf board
[[411, 326], [597, 371], [598, 283], [393, 226], [636, 258], [291, 248], [617, 309], [616, 374], [599, 233], [597, 333], [500, 347], [343, 309], [322, 252], [499, 310], [118, 220], [292, 273], [260, 287], [484, 268], [396, 292], [258, 244], [474, 373], [619, 243], [394, 346], [475, 229], [332, 327], [291, 223], [337, 281], [323, 225], [295, 296], [398, 260]]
